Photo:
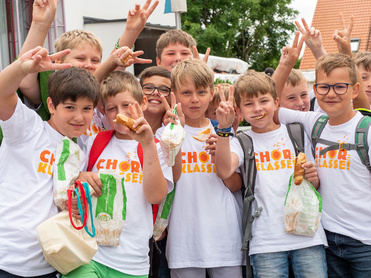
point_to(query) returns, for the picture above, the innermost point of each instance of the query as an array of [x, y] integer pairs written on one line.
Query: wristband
[[117, 44], [224, 134], [227, 129]]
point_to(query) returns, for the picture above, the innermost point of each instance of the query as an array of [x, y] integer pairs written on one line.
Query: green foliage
[[252, 30], [219, 80], [297, 64]]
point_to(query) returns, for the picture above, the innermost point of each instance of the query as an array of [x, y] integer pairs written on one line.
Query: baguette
[[299, 170], [126, 121]]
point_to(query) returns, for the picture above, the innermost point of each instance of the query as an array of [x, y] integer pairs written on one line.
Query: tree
[[252, 30]]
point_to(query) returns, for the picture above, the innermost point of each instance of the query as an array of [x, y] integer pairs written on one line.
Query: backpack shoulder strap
[[296, 133], [317, 130], [100, 142], [312, 102], [361, 136]]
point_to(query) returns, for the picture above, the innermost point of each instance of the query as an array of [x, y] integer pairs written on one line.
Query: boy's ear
[[144, 104], [50, 105], [158, 61], [212, 94], [355, 90]]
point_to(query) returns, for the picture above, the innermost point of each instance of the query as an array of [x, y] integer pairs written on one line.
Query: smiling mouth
[[154, 101], [259, 116]]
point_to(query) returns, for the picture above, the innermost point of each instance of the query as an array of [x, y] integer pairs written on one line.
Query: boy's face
[[85, 56], [194, 101], [259, 112], [172, 55], [295, 98], [211, 111], [338, 107], [155, 105], [119, 104], [71, 118], [366, 78]]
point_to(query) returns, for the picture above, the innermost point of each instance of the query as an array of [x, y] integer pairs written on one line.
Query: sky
[[306, 10]]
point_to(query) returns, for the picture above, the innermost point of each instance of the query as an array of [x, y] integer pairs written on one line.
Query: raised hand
[[125, 57], [225, 112], [169, 116], [144, 134], [342, 37], [138, 17], [290, 54], [37, 60], [197, 55], [312, 38], [44, 11]]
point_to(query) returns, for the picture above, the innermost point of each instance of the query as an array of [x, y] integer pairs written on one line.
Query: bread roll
[[203, 135], [299, 170], [127, 59], [126, 121]]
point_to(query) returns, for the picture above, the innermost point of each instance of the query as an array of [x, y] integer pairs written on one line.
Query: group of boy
[[204, 233]]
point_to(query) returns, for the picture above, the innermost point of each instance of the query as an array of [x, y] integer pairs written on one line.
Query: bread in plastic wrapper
[[66, 170], [171, 141], [303, 208], [109, 209]]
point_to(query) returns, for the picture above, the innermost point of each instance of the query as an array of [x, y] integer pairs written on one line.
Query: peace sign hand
[[169, 116], [225, 112]]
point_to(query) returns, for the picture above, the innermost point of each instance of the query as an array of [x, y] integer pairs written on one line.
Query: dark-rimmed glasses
[[149, 89], [339, 88]]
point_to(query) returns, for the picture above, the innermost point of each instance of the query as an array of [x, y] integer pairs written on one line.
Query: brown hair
[[154, 71], [253, 83], [295, 78], [118, 82], [363, 58], [71, 39], [201, 74], [224, 90], [333, 61], [72, 83], [174, 37]]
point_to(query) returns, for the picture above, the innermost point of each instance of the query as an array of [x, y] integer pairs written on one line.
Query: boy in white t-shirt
[[344, 179], [146, 185], [204, 230], [27, 155], [272, 250]]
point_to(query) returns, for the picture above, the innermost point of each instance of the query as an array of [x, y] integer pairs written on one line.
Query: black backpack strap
[[296, 133], [248, 171], [312, 102]]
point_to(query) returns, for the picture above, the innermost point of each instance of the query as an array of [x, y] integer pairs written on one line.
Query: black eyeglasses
[[150, 89], [339, 88]]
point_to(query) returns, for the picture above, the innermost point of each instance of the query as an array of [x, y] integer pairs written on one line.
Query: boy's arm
[[135, 23], [33, 61], [342, 39], [43, 14], [154, 183], [234, 182], [290, 55]]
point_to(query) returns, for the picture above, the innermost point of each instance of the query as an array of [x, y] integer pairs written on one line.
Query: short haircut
[[295, 78], [154, 71], [174, 37], [253, 83], [72, 84], [333, 61], [71, 39], [118, 82], [198, 71], [224, 89], [363, 58]]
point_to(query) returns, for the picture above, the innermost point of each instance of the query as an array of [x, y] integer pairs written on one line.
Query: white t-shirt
[[131, 256], [205, 221], [345, 181], [26, 190], [275, 161], [98, 123]]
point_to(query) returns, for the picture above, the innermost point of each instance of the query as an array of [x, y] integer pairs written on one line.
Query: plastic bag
[[66, 170], [171, 141], [109, 209], [163, 215], [302, 209]]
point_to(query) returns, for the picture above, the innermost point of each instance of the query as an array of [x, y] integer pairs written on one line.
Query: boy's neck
[[197, 123], [342, 118], [273, 126]]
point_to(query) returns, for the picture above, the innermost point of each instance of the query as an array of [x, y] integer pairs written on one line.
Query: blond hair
[[71, 39], [333, 61], [174, 37], [199, 72], [121, 81], [253, 83], [363, 58], [295, 78]]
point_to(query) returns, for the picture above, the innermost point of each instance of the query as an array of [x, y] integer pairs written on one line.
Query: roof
[[326, 19]]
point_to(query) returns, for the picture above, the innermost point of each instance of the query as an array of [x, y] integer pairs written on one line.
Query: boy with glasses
[[345, 181]]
